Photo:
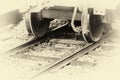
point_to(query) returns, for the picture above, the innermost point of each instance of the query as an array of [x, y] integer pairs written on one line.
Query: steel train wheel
[[95, 27], [36, 25]]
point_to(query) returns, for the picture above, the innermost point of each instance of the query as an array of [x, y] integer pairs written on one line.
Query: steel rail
[[67, 59], [24, 46]]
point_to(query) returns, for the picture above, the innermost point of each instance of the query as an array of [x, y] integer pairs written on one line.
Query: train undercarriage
[[89, 22]]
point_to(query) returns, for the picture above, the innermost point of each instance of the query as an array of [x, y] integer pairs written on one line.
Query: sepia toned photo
[[59, 39]]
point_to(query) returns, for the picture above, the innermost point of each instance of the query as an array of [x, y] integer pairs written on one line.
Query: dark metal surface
[[95, 27], [36, 25], [62, 12], [59, 14]]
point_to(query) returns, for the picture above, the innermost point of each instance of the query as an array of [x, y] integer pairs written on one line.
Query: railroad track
[[71, 57], [25, 45], [38, 41], [57, 62]]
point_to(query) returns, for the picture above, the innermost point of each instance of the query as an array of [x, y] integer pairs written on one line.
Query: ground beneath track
[[102, 63]]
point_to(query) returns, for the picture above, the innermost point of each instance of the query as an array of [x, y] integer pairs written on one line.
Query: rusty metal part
[[36, 25], [95, 27], [60, 12]]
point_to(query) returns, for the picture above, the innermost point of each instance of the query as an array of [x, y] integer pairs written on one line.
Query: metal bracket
[[75, 28], [84, 19], [98, 11]]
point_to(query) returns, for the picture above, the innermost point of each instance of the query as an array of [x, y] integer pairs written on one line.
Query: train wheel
[[95, 27], [36, 25]]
